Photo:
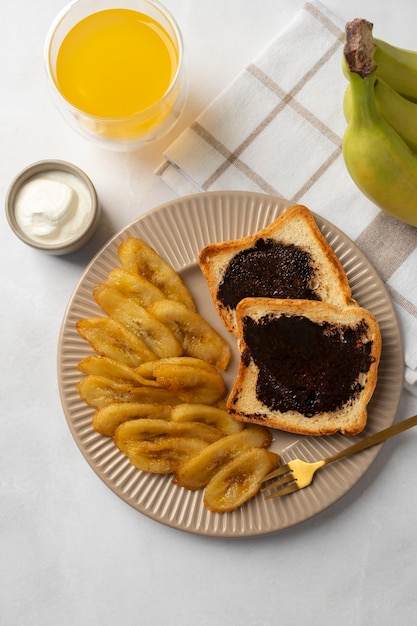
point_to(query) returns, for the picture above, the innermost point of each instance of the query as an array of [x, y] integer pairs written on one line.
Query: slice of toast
[[290, 258], [306, 367]]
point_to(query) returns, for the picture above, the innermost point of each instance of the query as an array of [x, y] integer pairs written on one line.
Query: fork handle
[[372, 440]]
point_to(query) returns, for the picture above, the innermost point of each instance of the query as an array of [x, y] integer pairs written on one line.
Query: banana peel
[[399, 112]]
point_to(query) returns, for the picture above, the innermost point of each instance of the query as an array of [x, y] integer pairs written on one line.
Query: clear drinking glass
[[126, 132]]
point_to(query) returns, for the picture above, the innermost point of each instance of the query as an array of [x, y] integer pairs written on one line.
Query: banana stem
[[359, 47], [359, 67]]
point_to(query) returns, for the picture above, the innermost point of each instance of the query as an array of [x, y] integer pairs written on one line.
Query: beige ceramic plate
[[178, 230]]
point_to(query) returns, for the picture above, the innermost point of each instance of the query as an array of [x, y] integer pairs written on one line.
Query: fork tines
[[285, 477]]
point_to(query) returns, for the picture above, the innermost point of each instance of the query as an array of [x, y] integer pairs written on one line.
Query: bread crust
[[297, 227], [243, 402]]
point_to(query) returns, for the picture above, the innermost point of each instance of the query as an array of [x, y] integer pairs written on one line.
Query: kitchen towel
[[278, 129]]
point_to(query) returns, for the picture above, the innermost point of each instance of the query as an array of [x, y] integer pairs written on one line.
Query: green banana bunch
[[376, 155]]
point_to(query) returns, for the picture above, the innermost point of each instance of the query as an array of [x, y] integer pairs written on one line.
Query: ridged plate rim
[[178, 229]]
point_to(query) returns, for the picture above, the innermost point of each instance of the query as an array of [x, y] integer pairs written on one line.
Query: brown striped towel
[[278, 129]]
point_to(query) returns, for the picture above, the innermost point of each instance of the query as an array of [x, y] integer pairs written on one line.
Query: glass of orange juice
[[117, 70]]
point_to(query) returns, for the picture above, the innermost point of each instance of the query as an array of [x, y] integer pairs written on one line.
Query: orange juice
[[116, 63]]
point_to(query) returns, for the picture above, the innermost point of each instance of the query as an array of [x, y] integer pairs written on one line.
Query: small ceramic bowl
[[59, 230]]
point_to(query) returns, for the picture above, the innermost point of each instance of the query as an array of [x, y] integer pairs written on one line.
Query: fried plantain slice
[[98, 391], [239, 480], [109, 417], [156, 335], [136, 256], [217, 417], [198, 471], [110, 338], [190, 384], [197, 337], [116, 370], [165, 455], [131, 432], [134, 286]]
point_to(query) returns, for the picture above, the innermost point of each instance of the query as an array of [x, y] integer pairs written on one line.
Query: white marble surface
[[71, 552]]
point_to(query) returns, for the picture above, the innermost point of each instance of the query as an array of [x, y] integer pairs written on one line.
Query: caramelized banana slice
[[239, 480], [176, 372], [190, 384], [98, 365], [147, 370], [219, 418], [110, 338], [97, 391], [134, 286], [158, 337], [131, 432], [138, 257], [198, 471], [197, 337], [165, 455], [109, 417]]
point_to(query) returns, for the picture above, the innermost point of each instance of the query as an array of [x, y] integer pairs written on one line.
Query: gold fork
[[298, 474]]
